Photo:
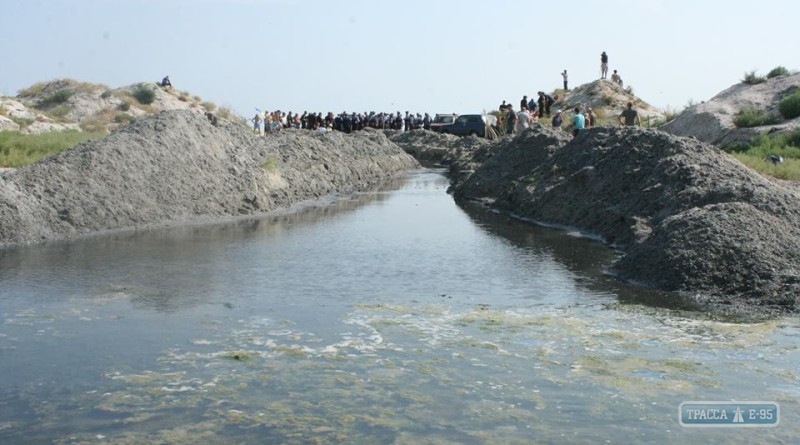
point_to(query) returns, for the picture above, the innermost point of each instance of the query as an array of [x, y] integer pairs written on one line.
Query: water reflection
[[589, 259], [164, 269]]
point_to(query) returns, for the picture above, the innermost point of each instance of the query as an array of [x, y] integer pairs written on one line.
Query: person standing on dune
[[603, 65]]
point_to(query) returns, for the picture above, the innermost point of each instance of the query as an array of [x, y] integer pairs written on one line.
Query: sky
[[436, 56]]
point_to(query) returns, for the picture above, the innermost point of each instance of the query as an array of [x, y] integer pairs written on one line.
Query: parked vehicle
[[441, 120], [469, 124]]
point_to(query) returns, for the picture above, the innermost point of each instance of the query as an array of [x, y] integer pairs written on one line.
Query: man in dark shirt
[[629, 116]]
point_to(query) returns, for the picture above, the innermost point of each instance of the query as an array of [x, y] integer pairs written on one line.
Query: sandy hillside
[[713, 121]]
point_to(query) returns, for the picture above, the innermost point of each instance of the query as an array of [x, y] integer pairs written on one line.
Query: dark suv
[[468, 124], [441, 120]]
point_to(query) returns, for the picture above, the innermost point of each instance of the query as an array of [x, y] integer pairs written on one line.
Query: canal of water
[[391, 317]]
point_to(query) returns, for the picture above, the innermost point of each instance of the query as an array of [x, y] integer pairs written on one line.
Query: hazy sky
[[433, 55]]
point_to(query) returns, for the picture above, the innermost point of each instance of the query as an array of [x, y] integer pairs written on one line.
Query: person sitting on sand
[[165, 82], [616, 78]]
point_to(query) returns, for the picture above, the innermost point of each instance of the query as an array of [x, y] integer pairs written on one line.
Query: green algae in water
[[431, 373]]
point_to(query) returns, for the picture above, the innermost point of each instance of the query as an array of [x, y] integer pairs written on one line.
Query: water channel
[[391, 317]]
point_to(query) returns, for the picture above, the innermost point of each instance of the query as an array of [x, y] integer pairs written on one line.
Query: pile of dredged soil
[[686, 216], [175, 167]]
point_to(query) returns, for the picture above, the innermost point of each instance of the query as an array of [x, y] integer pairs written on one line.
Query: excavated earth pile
[[175, 167], [686, 216]]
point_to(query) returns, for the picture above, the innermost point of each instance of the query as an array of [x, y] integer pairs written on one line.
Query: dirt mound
[[687, 216], [607, 100], [712, 121], [435, 147], [65, 104], [175, 167], [494, 170]]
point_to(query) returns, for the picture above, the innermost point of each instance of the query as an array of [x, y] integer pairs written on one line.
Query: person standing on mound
[[578, 122], [603, 65], [629, 117]]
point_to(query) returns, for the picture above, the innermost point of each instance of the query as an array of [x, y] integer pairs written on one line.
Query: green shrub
[[124, 118], [106, 94], [786, 145], [790, 139], [752, 78], [752, 117], [789, 107], [124, 106], [59, 97], [144, 95], [778, 71], [209, 106]]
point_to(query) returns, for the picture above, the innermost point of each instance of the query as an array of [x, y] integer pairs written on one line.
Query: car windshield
[[444, 119]]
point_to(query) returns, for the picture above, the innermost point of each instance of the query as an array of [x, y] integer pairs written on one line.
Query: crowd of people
[[347, 122], [531, 111]]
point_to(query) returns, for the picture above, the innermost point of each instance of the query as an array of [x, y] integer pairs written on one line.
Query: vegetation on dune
[[752, 78], [778, 71], [59, 97], [788, 169], [144, 96], [789, 107], [52, 99], [749, 117], [17, 150], [757, 155]]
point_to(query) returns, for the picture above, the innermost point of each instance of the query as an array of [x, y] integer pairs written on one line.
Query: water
[[394, 317]]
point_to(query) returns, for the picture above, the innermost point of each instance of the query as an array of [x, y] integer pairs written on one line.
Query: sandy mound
[[66, 104], [687, 217], [607, 99], [712, 121], [175, 167], [435, 147]]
